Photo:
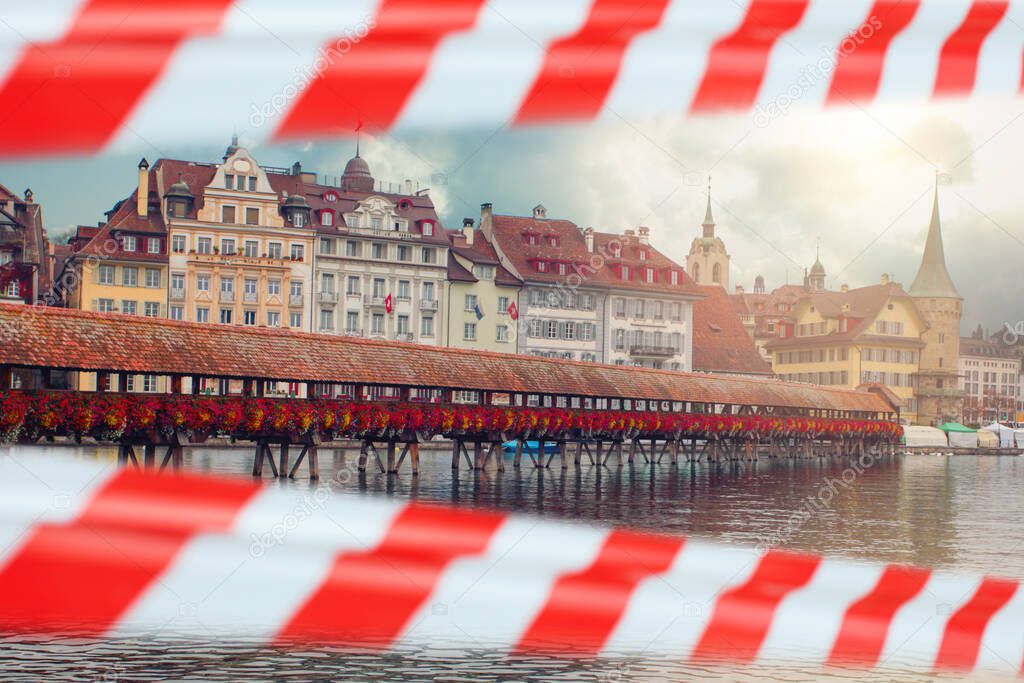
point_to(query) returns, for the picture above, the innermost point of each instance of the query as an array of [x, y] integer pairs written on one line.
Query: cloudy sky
[[860, 180]]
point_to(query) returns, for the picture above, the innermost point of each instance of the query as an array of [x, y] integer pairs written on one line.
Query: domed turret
[[356, 177], [296, 209], [232, 148]]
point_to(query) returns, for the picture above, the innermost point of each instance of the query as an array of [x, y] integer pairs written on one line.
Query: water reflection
[[953, 512]]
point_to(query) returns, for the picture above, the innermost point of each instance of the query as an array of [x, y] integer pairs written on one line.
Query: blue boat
[[530, 447]]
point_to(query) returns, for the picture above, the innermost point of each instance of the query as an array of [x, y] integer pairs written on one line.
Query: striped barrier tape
[[95, 550], [85, 75]]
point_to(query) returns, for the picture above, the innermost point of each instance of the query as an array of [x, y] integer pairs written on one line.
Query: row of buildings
[[237, 243]]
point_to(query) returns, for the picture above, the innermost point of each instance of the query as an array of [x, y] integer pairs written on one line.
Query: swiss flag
[[513, 311], [387, 303]]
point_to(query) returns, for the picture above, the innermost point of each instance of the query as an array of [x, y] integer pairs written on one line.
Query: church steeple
[[933, 278], [709, 220]]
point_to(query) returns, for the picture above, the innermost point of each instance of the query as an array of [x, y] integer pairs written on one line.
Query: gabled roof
[[510, 233], [458, 273], [720, 342], [87, 341], [482, 252], [865, 303]]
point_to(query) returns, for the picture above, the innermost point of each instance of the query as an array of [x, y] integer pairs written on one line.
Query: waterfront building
[[595, 296], [868, 335], [381, 259], [990, 373], [24, 272], [940, 398], [483, 296], [763, 313], [721, 344], [708, 261], [240, 242]]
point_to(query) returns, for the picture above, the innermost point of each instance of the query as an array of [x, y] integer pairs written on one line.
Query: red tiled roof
[[482, 252], [82, 340], [456, 271], [865, 303], [571, 248], [720, 342]]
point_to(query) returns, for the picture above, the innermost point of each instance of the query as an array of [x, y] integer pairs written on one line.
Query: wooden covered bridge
[[160, 384]]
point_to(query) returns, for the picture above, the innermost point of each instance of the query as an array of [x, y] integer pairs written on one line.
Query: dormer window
[[616, 251], [428, 228], [675, 277], [299, 219], [643, 254], [330, 196], [649, 275], [404, 204], [542, 266], [625, 272], [326, 217], [553, 240], [128, 243], [562, 269], [229, 181], [252, 183]]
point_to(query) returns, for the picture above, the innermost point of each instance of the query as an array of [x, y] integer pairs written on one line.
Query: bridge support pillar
[[518, 458], [282, 468]]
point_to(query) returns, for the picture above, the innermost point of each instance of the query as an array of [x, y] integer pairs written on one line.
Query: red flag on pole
[[359, 125], [387, 303], [513, 311]]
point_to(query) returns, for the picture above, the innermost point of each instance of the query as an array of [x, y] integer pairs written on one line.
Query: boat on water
[[530, 447]]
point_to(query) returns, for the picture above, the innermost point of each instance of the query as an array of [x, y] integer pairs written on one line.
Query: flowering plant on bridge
[[111, 417]]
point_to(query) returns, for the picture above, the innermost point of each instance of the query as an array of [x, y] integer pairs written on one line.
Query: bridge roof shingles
[[82, 340]]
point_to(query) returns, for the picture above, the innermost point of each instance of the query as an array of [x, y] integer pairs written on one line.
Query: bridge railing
[[104, 416]]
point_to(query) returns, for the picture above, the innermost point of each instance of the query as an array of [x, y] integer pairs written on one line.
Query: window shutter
[[95, 305], [96, 274], [579, 330]]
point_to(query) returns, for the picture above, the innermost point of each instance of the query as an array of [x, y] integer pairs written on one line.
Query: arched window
[[696, 273], [716, 273]]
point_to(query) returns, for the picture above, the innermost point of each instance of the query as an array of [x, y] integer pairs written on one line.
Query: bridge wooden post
[[479, 460], [632, 451], [6, 377], [456, 454], [392, 468], [578, 455], [414, 457], [517, 460], [149, 455], [363, 454], [538, 461], [498, 454], [282, 468], [673, 453]]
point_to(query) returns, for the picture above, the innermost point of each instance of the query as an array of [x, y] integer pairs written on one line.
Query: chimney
[[539, 212], [487, 221], [588, 235], [739, 289], [885, 278], [629, 232], [142, 196], [846, 308], [645, 234], [844, 287], [408, 186], [28, 195], [467, 231], [297, 168]]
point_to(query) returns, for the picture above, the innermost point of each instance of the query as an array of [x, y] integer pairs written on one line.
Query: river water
[[959, 512]]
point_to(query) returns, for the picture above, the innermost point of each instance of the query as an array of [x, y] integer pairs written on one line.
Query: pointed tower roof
[[709, 220], [933, 279]]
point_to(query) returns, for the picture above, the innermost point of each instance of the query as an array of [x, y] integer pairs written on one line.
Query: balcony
[[227, 296], [353, 332], [428, 304], [177, 294], [405, 336], [327, 297], [371, 301], [651, 351], [251, 298], [352, 293], [295, 300]]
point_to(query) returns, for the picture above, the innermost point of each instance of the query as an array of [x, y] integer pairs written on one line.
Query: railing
[[369, 300], [428, 304], [660, 350], [251, 298], [352, 332], [405, 336], [294, 299], [227, 296], [177, 294], [328, 297]]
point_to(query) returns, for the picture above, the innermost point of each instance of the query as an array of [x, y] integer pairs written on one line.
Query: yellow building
[[241, 245], [869, 335], [483, 296], [121, 267]]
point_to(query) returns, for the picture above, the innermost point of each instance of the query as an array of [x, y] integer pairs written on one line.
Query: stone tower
[[938, 395], [708, 261]]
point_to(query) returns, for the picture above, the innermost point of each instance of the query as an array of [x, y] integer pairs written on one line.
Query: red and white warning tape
[[80, 75], [87, 548]]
